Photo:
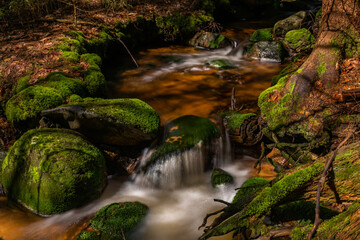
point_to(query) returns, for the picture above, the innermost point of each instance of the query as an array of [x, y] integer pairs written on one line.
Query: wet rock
[[210, 40], [220, 177], [295, 21], [266, 50], [300, 40], [50, 171], [183, 134], [113, 122], [261, 35], [220, 64], [115, 221]]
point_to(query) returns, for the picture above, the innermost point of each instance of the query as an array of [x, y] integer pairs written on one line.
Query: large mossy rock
[[210, 40], [50, 171], [115, 221], [300, 40], [114, 122], [295, 21], [266, 50], [220, 177], [183, 134], [49, 92]]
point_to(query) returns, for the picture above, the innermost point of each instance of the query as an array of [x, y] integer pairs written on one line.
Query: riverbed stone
[[115, 221], [210, 40], [220, 177], [283, 26], [50, 171], [220, 64], [113, 122], [183, 134], [266, 50], [300, 40]]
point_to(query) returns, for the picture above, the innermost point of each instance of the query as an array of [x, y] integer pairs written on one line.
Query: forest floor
[[28, 48]]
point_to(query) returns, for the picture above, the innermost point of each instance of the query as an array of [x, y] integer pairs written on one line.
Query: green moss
[[262, 35], [321, 69], [277, 112], [64, 85], [234, 120], [75, 98], [95, 83], [289, 69], [184, 133], [129, 111], [340, 227], [88, 236], [220, 177], [28, 103], [73, 57], [50, 171], [318, 14], [300, 39], [250, 186], [22, 83], [91, 58], [300, 232], [67, 44], [117, 220]]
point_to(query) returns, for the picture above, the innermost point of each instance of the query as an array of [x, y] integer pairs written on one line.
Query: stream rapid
[[175, 81]]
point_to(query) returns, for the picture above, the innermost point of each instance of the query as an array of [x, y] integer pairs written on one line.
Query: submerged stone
[[210, 40], [220, 177], [220, 64], [183, 134], [114, 122], [50, 171], [295, 21], [115, 221], [266, 50]]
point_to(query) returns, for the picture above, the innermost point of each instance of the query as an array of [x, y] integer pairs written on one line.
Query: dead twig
[[318, 220]]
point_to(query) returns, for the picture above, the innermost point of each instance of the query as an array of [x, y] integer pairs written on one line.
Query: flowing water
[[175, 81]]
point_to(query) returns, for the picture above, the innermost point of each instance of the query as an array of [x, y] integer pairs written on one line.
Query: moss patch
[[115, 221], [250, 186], [220, 177], [73, 57], [234, 120], [28, 103], [50, 171], [262, 35], [95, 83], [301, 39]]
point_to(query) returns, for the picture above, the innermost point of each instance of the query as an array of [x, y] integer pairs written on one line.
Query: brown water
[[175, 81]]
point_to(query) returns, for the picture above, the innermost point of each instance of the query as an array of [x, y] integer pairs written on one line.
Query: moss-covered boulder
[[115, 122], [210, 40], [183, 134], [300, 40], [220, 177], [220, 64], [264, 34], [50, 171], [27, 104], [266, 50], [115, 221], [295, 21], [49, 92]]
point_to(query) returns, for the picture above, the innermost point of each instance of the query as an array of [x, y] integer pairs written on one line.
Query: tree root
[[318, 220]]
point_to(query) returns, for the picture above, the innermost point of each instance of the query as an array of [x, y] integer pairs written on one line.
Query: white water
[[174, 213]]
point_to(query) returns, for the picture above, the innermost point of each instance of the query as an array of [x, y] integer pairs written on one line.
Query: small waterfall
[[185, 168]]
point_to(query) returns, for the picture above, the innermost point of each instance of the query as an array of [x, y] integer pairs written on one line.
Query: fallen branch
[[262, 156], [318, 220]]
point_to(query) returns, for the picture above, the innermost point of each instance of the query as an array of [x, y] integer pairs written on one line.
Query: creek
[[175, 81]]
